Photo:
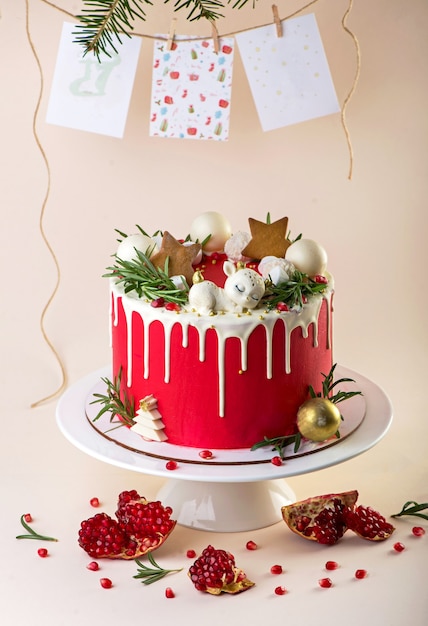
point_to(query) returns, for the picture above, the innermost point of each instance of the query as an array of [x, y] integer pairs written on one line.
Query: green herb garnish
[[114, 404], [32, 533], [152, 574], [292, 292], [413, 508], [141, 276], [279, 443]]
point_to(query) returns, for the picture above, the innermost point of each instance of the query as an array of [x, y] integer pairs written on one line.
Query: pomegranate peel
[[320, 518]]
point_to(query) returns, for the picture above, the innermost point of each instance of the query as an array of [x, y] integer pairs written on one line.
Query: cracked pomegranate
[[141, 527], [321, 518], [215, 571]]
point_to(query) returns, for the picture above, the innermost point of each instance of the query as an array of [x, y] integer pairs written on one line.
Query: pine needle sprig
[[413, 508], [32, 534], [141, 276], [114, 404], [150, 575], [292, 292]]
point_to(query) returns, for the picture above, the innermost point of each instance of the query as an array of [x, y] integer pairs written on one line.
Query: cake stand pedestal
[[239, 490]]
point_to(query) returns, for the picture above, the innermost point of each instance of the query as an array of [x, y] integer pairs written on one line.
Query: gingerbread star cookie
[[267, 239], [180, 257]]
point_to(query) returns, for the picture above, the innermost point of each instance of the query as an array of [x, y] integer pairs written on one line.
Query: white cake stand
[[237, 490]]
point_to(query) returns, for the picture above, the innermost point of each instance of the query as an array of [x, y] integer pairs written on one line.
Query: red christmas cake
[[217, 338]]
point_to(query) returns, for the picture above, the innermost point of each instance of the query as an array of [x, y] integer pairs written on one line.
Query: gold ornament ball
[[318, 419]]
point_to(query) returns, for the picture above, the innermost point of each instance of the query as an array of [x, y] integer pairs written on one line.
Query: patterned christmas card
[[289, 76], [90, 95], [191, 89]]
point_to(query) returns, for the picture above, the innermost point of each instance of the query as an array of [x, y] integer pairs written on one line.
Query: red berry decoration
[[172, 306], [42, 552], [276, 569], [399, 547], [94, 502], [368, 523], [106, 583], [276, 460], [281, 306], [251, 545], [331, 565], [169, 593], [320, 519], [190, 554], [141, 527], [157, 303], [418, 531], [171, 465], [325, 583], [280, 591], [360, 574], [215, 571]]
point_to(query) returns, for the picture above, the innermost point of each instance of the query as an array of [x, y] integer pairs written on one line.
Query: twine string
[[42, 214]]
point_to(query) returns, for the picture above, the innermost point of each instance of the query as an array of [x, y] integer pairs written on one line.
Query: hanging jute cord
[[46, 162]]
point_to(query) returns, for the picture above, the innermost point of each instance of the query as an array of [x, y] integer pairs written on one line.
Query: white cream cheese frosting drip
[[226, 326]]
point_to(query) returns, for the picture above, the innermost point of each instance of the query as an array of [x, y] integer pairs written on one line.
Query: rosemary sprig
[[141, 276], [292, 292], [413, 508], [32, 533], [152, 574], [113, 403], [279, 443]]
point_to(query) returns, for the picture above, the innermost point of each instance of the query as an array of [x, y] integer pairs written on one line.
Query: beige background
[[374, 228]]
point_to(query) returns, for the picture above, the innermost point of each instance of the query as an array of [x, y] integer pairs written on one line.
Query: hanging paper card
[[289, 76], [90, 95], [191, 89]]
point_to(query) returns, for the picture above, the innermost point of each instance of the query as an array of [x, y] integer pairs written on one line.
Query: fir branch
[[102, 22], [32, 533], [292, 292], [152, 574], [413, 508], [114, 404], [141, 276]]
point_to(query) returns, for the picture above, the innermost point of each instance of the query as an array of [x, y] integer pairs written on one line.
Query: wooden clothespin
[[277, 21], [214, 35], [171, 34]]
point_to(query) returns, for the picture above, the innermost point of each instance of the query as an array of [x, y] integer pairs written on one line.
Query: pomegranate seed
[[399, 547], [418, 531], [276, 569], [330, 565], [172, 306], [106, 583], [190, 554], [169, 593], [280, 591], [281, 306], [159, 302], [93, 566], [360, 574], [28, 518], [251, 545], [94, 502], [325, 583], [171, 465], [206, 454], [42, 552], [276, 460], [320, 279]]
